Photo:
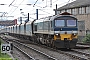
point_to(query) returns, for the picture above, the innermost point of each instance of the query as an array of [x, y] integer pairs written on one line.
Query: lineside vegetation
[[87, 39]]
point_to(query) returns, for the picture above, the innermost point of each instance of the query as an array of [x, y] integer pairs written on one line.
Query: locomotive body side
[[42, 26], [28, 29]]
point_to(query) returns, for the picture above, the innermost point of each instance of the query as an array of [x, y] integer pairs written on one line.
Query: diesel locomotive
[[60, 31]]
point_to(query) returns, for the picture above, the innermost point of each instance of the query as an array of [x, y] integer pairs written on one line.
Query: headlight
[[74, 34], [56, 34]]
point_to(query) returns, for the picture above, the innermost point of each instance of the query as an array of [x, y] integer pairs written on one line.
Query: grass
[[4, 56]]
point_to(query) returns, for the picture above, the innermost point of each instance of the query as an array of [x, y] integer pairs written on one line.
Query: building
[[81, 9]]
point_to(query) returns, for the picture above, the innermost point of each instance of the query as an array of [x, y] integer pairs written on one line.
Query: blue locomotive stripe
[[65, 29]]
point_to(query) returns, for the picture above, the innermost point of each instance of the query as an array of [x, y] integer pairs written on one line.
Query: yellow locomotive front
[[65, 32]]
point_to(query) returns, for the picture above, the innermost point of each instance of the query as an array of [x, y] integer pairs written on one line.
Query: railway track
[[83, 43], [78, 55], [82, 53], [28, 57], [24, 52], [82, 46], [35, 54], [73, 54], [40, 55]]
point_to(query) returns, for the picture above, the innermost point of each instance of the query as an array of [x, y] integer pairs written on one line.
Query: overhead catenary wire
[[35, 3], [68, 1], [55, 1], [20, 4], [61, 4], [42, 7], [11, 3], [12, 7], [39, 9], [17, 6], [45, 11]]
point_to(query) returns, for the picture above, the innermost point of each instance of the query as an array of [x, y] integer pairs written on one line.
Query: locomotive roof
[[65, 13], [76, 4], [29, 22], [53, 17], [43, 19]]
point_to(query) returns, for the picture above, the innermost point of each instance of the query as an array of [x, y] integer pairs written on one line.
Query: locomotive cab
[[65, 31]]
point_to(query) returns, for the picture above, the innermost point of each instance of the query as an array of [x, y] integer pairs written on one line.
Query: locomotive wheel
[[51, 43], [47, 43], [53, 46]]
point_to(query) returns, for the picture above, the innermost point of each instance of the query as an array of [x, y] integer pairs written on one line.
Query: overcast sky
[[12, 7]]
